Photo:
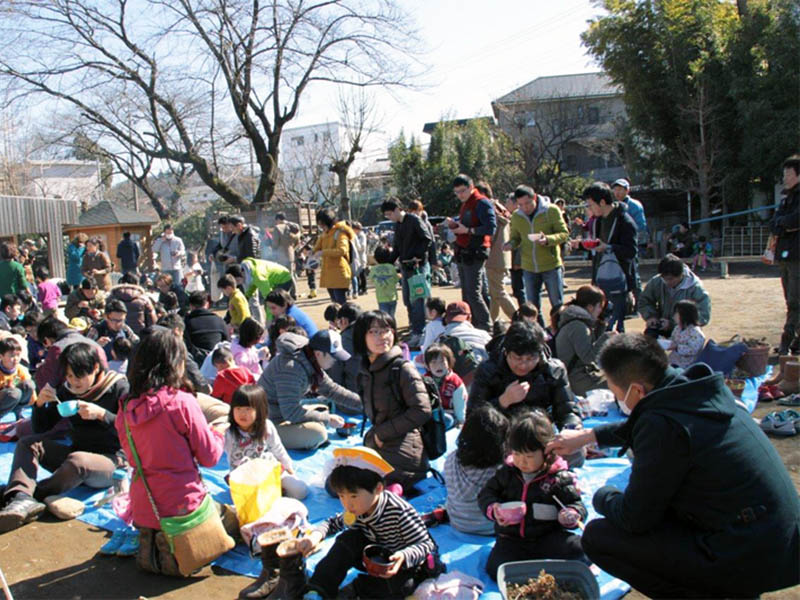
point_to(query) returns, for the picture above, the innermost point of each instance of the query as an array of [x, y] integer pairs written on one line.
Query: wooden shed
[[20, 215], [108, 221]]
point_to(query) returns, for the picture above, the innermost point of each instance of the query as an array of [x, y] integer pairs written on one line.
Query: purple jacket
[[170, 433]]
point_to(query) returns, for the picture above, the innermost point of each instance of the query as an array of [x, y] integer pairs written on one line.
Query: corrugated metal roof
[[107, 213], [556, 87]]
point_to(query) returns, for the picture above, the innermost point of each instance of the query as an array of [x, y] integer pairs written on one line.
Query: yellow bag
[[255, 485]]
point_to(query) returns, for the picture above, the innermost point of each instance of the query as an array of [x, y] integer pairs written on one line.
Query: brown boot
[[268, 579], [791, 377], [778, 376]]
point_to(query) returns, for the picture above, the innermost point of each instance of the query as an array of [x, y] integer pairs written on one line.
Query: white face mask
[[168, 236], [623, 406]]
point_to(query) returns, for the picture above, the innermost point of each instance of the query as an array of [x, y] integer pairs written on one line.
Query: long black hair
[[252, 396], [159, 361], [482, 440]]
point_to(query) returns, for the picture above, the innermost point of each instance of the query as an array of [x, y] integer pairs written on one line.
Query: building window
[[594, 115], [298, 141], [316, 137], [326, 136]]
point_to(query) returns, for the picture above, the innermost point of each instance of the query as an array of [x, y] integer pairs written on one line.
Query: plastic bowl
[[570, 573], [376, 560], [512, 512], [346, 430], [68, 408], [590, 244], [665, 343]]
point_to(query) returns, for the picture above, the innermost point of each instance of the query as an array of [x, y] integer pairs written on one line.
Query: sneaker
[[114, 543], [130, 543], [21, 509], [312, 294]]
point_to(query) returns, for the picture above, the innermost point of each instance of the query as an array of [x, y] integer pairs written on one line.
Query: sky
[[477, 51]]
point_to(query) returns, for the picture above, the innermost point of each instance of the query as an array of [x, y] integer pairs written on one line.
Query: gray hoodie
[[288, 379], [577, 347]]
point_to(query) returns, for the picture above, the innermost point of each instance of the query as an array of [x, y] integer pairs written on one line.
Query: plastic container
[[119, 479], [68, 408], [346, 430], [572, 574], [590, 244]]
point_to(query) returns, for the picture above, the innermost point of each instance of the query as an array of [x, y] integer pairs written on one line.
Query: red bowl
[[376, 560], [590, 244]]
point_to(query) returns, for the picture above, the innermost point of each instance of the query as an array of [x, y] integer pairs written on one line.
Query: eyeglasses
[[379, 331], [117, 320]]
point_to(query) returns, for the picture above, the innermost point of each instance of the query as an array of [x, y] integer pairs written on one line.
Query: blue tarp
[[462, 552]]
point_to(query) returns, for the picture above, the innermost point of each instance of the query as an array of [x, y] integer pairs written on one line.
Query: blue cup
[[68, 408]]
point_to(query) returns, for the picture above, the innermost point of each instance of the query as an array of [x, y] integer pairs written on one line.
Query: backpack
[[466, 360], [610, 276]]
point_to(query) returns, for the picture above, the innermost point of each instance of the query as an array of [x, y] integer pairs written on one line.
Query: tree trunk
[[344, 202]]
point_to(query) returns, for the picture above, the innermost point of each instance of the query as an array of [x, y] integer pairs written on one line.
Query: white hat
[[622, 182]]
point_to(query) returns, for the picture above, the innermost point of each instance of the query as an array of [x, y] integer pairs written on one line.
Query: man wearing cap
[[474, 230], [457, 319], [621, 187], [296, 372]]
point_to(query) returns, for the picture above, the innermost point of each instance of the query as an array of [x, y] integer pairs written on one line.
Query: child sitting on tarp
[[439, 361], [480, 449], [552, 502], [372, 516], [252, 435]]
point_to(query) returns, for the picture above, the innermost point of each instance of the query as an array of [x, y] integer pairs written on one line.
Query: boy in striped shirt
[[372, 516]]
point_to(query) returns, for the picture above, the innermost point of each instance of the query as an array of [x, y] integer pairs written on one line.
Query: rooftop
[[107, 213], [556, 87]]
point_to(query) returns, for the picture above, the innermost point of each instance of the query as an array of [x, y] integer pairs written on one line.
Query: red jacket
[[228, 381], [170, 433], [468, 216]]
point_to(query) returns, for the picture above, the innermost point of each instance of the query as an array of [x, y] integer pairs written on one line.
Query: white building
[[306, 154], [67, 179]]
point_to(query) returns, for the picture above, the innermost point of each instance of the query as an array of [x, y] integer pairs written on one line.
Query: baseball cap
[[329, 341], [623, 183], [457, 311]]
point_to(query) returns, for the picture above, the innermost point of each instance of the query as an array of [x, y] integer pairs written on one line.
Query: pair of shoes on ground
[[783, 423], [123, 542], [18, 511], [768, 393], [793, 400]]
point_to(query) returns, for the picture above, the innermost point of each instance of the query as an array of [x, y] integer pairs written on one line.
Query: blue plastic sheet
[[462, 552]]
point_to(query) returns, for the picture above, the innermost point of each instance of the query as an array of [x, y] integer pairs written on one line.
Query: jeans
[[790, 280], [388, 307], [416, 311], [472, 278], [518, 285], [553, 280], [619, 303], [338, 295]]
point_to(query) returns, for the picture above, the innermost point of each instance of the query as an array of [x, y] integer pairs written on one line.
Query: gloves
[[568, 518]]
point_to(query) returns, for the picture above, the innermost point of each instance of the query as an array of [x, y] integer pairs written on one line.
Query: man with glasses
[[474, 230], [112, 327]]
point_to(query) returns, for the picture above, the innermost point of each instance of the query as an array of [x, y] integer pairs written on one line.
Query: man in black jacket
[[616, 231], [247, 242], [709, 510], [519, 377], [785, 226], [204, 329], [128, 253], [410, 247]]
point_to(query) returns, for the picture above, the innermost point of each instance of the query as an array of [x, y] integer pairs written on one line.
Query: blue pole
[[736, 214]]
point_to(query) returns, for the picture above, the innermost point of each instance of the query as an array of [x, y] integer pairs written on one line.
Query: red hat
[[457, 311]]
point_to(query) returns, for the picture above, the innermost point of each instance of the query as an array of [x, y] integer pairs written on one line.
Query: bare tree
[[181, 81], [358, 115]]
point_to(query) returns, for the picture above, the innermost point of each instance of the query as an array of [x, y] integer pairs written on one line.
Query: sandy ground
[[53, 560]]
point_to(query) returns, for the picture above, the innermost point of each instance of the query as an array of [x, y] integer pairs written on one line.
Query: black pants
[[518, 285], [556, 544], [664, 563], [346, 553], [338, 295], [312, 279]]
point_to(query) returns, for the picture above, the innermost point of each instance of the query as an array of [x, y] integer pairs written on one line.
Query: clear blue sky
[[478, 51]]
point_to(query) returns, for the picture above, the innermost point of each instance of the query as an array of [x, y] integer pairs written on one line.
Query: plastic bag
[[418, 287], [255, 485]]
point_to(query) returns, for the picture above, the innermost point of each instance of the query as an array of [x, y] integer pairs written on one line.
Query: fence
[[747, 240]]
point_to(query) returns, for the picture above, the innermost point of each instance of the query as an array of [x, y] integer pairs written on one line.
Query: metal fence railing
[[747, 240]]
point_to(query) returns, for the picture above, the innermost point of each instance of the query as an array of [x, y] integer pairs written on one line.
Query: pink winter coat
[[170, 433]]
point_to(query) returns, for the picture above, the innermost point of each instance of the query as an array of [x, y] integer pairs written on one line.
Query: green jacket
[[263, 275], [12, 277], [658, 301], [548, 220]]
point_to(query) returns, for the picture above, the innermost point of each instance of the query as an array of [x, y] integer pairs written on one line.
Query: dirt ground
[[54, 560]]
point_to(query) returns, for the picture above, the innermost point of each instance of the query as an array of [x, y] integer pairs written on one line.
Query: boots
[[791, 378], [778, 376], [292, 582], [268, 579]]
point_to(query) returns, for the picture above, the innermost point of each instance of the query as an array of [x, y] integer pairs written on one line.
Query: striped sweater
[[395, 524]]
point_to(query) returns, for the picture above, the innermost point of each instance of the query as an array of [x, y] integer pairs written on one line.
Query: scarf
[[102, 384]]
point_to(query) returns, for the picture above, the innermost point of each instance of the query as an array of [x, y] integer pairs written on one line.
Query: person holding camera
[[172, 253]]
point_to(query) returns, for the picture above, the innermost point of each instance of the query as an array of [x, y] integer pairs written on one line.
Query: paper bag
[[255, 485]]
